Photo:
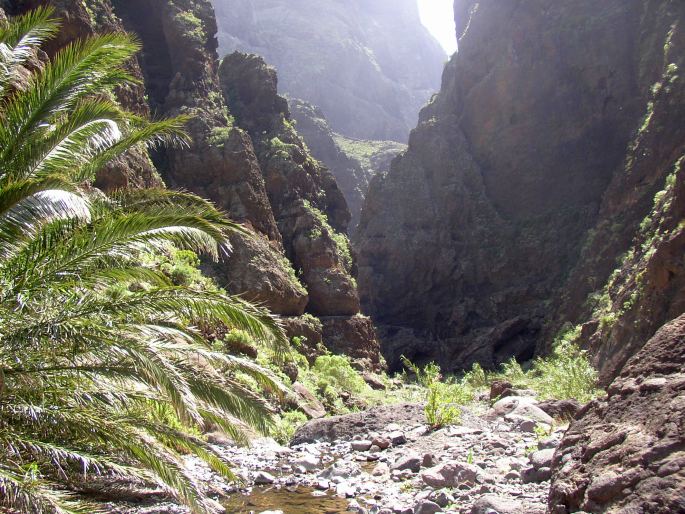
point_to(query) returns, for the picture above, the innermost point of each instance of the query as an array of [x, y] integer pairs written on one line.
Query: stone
[[428, 460], [521, 407], [374, 382], [442, 498], [491, 504], [361, 446], [427, 507], [536, 475], [308, 402], [397, 438], [541, 458], [382, 443], [358, 423], [450, 474], [307, 462], [345, 490], [264, 478], [412, 462], [564, 410], [497, 387], [381, 469]]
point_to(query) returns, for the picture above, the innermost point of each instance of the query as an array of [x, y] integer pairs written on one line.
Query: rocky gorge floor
[[388, 461]]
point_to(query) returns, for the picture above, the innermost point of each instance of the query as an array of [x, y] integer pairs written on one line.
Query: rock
[[498, 387], [536, 475], [307, 402], [341, 469], [452, 240], [380, 469], [348, 160], [361, 445], [428, 460], [374, 382], [397, 438], [541, 458], [624, 452], [450, 474], [307, 462], [264, 478], [382, 443], [359, 423], [427, 507], [521, 407], [412, 461], [493, 504], [345, 490], [442, 498], [560, 409], [355, 337]]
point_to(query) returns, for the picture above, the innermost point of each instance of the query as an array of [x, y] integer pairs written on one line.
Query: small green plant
[[286, 425], [442, 398], [469, 457], [191, 25]]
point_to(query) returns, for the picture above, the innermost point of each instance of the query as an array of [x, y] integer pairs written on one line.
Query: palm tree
[[93, 380]]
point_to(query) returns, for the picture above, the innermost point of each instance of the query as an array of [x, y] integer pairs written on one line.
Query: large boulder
[[626, 452]]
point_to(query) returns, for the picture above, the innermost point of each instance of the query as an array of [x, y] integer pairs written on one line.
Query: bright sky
[[438, 17]]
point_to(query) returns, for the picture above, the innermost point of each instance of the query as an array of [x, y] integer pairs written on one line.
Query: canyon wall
[[370, 65], [526, 182], [245, 156]]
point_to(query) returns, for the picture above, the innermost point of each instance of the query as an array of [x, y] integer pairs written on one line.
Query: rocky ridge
[[372, 68]]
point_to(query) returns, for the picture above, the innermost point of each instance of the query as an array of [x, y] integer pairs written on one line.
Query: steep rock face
[[352, 162], [626, 453], [469, 241], [275, 192], [310, 211], [636, 248], [372, 68]]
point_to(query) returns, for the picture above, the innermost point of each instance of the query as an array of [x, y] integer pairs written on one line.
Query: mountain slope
[[369, 65]]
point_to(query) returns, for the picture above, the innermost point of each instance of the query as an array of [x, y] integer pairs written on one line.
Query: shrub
[[567, 374], [286, 425]]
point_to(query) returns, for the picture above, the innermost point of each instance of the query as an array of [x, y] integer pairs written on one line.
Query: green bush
[[286, 425], [566, 374], [443, 398]]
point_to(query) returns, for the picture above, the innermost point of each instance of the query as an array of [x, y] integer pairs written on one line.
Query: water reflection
[[298, 500]]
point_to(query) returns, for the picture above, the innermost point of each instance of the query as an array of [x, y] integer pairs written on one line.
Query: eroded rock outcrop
[[372, 67], [626, 453], [309, 209], [471, 245]]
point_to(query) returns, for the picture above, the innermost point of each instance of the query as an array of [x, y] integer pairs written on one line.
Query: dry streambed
[[387, 461]]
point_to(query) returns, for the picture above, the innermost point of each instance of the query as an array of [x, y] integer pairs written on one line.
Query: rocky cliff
[[353, 162], [245, 156], [527, 179], [368, 64]]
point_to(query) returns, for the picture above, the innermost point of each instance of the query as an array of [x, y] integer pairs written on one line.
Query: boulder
[[307, 402], [450, 474], [411, 461], [564, 410], [347, 426]]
